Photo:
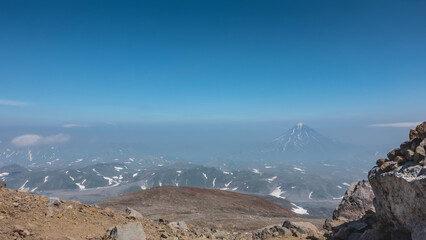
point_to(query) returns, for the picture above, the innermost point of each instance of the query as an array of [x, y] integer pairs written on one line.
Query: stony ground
[[28, 216]]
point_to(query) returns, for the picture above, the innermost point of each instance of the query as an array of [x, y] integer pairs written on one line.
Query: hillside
[[28, 216], [36, 217], [204, 207]]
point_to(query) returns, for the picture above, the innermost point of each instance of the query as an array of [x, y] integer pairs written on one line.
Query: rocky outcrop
[[289, 229], [399, 184], [357, 201]]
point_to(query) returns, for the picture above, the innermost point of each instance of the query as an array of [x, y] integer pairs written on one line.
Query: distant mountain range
[[301, 166]]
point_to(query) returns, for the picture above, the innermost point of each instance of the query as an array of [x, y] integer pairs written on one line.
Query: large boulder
[[357, 201], [130, 231], [401, 197], [400, 186]]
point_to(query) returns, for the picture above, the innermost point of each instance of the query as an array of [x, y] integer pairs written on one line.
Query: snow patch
[[299, 210], [277, 193], [270, 180], [214, 182], [118, 169], [205, 176], [80, 185], [23, 186], [4, 174], [346, 184], [256, 171], [135, 174], [30, 155], [310, 195], [45, 179]]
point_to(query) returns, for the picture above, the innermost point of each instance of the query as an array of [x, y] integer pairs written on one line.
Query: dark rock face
[[358, 200], [401, 197], [399, 184], [2, 184]]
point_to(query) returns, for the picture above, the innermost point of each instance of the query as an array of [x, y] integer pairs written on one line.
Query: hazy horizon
[[220, 73]]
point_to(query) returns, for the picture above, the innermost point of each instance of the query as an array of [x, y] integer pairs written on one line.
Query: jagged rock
[[298, 228], [274, 231], [54, 201], [2, 184], [420, 151], [130, 231], [400, 160], [375, 234], [358, 199], [400, 235], [180, 224], [385, 167], [133, 213], [355, 236], [342, 233], [409, 154], [392, 154], [401, 198], [419, 132], [345, 230], [380, 161]]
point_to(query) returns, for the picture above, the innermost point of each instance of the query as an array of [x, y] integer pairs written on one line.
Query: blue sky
[[89, 62]]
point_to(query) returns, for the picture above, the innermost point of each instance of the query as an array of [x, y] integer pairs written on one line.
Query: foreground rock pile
[[399, 187], [35, 217], [411, 151]]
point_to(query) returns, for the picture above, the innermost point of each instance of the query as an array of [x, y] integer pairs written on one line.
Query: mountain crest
[[301, 138]]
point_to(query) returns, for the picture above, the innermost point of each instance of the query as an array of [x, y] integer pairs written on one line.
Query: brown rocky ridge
[[28, 216], [203, 207]]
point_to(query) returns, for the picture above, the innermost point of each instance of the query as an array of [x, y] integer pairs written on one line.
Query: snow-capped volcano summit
[[301, 138]]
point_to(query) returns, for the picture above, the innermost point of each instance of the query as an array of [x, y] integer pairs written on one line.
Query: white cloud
[[71, 125], [13, 103], [33, 140], [398, 124]]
